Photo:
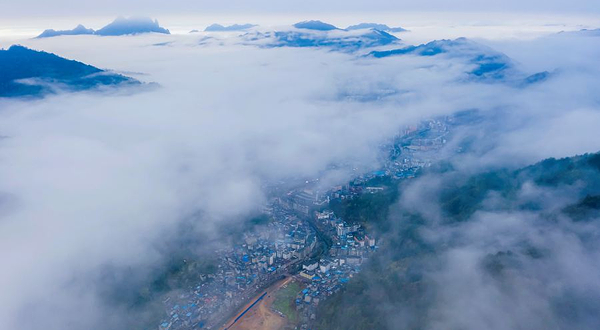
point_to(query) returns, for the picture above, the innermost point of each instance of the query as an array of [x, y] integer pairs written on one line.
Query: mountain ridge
[[30, 73], [120, 26]]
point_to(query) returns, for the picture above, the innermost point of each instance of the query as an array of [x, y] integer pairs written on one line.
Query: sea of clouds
[[97, 179]]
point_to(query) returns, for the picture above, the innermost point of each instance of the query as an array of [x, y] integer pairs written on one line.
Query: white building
[[310, 267]]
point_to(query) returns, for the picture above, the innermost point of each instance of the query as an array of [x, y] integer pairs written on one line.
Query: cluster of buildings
[[287, 246], [303, 201], [416, 147], [260, 258], [351, 246]]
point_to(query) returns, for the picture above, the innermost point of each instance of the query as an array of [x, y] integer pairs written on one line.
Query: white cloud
[[96, 178]]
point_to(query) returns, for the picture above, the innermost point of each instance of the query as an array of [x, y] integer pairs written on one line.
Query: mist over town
[[258, 165]]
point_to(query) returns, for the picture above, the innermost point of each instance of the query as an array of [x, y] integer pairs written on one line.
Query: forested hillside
[[501, 229]]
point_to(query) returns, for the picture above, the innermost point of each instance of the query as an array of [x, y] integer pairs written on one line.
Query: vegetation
[[586, 208], [369, 210], [285, 301], [187, 263], [393, 281], [460, 200], [19, 62]]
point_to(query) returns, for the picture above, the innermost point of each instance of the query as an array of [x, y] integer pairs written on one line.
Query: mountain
[[79, 30], [315, 25], [120, 26], [131, 25], [582, 33], [490, 63], [339, 40], [462, 45], [511, 234], [234, 27], [536, 78], [26, 72], [380, 27]]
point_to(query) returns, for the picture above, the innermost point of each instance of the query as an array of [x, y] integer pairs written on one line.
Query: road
[[260, 316]]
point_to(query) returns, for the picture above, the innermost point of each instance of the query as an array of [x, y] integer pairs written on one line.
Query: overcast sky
[[42, 8]]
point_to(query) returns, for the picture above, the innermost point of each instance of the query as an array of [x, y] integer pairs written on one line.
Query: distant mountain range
[[318, 34], [583, 33], [433, 48], [234, 27], [322, 26], [137, 25], [29, 73], [315, 25], [490, 65], [79, 30], [377, 26], [120, 26]]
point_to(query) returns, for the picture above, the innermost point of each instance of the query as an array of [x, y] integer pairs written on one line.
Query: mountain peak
[[235, 27], [315, 25], [376, 26], [78, 30], [131, 25]]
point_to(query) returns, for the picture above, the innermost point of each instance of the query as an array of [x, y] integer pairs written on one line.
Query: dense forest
[[26, 72], [400, 288]]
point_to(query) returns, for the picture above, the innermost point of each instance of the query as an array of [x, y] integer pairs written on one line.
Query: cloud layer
[[92, 181]]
